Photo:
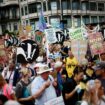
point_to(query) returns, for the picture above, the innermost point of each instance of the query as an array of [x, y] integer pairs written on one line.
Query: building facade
[[9, 15], [70, 12], [88, 11]]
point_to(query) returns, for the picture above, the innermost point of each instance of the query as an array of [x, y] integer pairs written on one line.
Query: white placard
[[50, 35], [55, 101]]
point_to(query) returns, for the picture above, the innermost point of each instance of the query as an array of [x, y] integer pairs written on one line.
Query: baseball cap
[[99, 65]]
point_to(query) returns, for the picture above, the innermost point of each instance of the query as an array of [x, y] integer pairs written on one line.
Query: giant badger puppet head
[[27, 51], [60, 37]]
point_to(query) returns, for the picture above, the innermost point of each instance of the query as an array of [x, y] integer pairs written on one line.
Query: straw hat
[[43, 68]]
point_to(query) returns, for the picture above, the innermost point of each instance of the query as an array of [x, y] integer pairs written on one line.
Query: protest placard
[[76, 33], [38, 36], [50, 35], [55, 101], [79, 49], [3, 54], [96, 43]]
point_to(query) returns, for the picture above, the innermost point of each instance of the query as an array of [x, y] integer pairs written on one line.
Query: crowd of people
[[51, 76]]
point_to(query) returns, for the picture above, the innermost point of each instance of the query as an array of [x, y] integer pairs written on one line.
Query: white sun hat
[[58, 64], [39, 59], [43, 68]]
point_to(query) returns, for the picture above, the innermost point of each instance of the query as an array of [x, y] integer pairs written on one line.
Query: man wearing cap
[[100, 72], [42, 86]]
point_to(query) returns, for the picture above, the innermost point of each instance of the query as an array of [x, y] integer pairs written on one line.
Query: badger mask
[[27, 51], [60, 37]]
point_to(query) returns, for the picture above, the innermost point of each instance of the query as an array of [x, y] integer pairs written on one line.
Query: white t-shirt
[[47, 95]]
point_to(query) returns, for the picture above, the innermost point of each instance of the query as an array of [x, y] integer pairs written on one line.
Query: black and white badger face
[[27, 51], [11, 41], [60, 36]]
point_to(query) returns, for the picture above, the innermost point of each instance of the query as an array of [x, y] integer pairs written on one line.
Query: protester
[[58, 71], [8, 73], [22, 93], [72, 89], [70, 63], [102, 56], [6, 89], [100, 72], [42, 86], [93, 94]]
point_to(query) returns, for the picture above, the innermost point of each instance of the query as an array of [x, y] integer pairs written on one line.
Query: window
[[54, 5], [55, 22], [3, 26], [75, 5], [64, 5], [86, 20], [35, 7], [93, 6], [101, 7], [69, 22], [26, 10], [15, 27], [22, 11], [14, 12], [85, 6], [2, 14], [93, 19], [38, 7], [44, 6], [27, 22], [9, 26], [101, 18]]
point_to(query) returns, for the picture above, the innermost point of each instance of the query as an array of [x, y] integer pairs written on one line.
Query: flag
[[42, 23]]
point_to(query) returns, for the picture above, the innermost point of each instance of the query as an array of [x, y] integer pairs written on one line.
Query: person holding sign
[[72, 88]]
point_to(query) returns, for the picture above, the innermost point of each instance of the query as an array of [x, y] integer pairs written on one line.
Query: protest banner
[[79, 49], [38, 36], [55, 101], [76, 33], [3, 54], [96, 43], [50, 35]]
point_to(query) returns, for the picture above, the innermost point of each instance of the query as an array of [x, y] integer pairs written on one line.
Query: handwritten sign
[[96, 43], [79, 49], [50, 35], [38, 36], [55, 101], [76, 33]]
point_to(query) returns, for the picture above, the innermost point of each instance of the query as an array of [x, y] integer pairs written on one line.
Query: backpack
[[26, 93], [27, 89]]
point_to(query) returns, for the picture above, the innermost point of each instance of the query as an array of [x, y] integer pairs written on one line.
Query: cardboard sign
[[76, 33], [96, 43], [2, 48], [50, 35], [3, 54], [38, 36], [79, 49], [55, 101]]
